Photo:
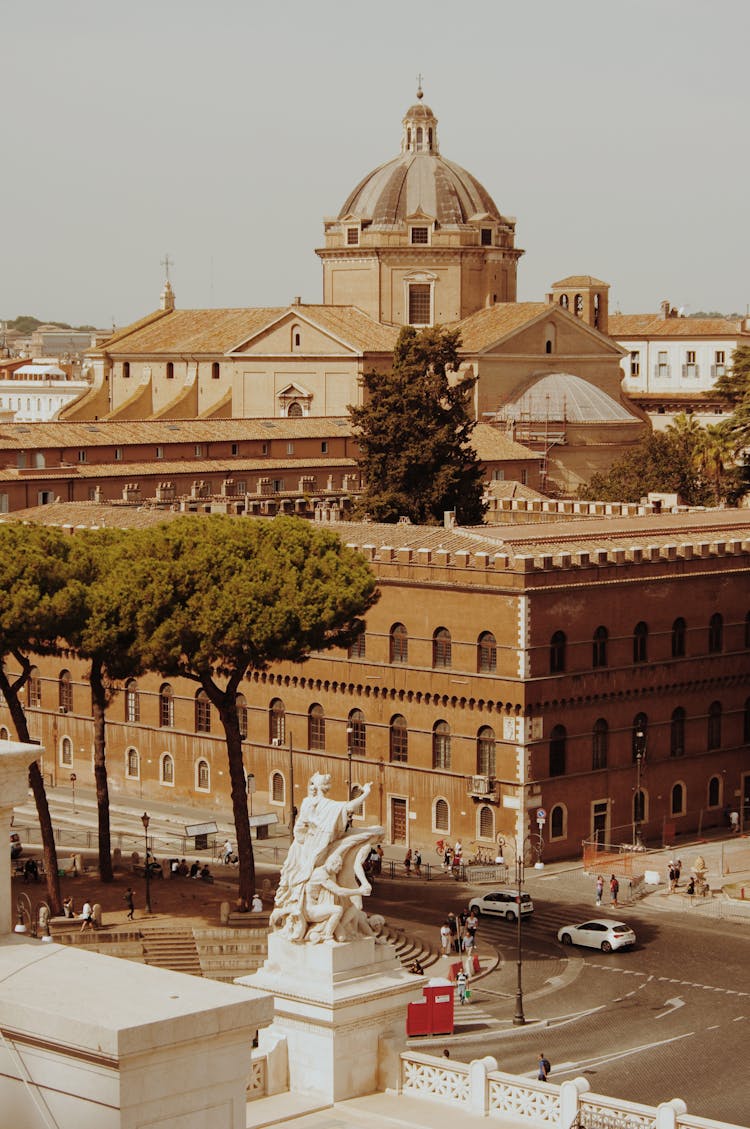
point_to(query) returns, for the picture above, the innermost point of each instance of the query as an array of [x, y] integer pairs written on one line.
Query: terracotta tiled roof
[[213, 333], [163, 468], [581, 280], [491, 444], [56, 434], [623, 326], [485, 327]]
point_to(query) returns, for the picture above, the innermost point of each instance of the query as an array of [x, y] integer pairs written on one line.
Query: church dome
[[563, 396], [419, 182]]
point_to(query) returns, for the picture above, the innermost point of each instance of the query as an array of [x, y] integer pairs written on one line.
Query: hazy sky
[[615, 132]]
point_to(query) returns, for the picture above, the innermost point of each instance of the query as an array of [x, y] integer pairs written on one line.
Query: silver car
[[598, 934], [502, 903]]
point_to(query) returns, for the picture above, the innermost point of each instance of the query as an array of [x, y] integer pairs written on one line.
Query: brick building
[[597, 669]]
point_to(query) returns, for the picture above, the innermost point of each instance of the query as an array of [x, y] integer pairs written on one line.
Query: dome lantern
[[419, 134]]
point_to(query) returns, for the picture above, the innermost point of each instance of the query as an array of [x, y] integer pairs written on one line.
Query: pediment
[[420, 217], [276, 338], [295, 390], [575, 336]]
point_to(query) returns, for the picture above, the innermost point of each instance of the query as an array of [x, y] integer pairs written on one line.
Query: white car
[[598, 934], [502, 903]]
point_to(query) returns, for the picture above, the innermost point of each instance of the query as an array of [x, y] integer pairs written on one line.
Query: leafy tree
[[414, 431], [33, 570], [660, 463], [221, 597], [734, 385], [98, 621]]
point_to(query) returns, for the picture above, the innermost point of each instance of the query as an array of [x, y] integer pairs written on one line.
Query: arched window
[[599, 744], [167, 769], [441, 816], [166, 706], [486, 653], [399, 739], [170, 370], [715, 634], [202, 776], [557, 653], [564, 301], [242, 715], [65, 692], [357, 732], [126, 369], [316, 728], [558, 822], [578, 305], [66, 752], [358, 648], [34, 689], [441, 648], [599, 648], [441, 745], [294, 411], [132, 702], [276, 722], [713, 734], [677, 733], [486, 751], [132, 763], [714, 792], [277, 788], [679, 627], [486, 822], [677, 800], [3, 733], [639, 806], [557, 748], [296, 337], [639, 736], [399, 644], [215, 370], [640, 643], [202, 712]]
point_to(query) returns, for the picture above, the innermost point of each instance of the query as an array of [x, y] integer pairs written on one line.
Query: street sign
[[251, 783], [192, 829], [541, 816]]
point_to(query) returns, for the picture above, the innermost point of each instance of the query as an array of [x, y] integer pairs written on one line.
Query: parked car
[[502, 903], [598, 934], [16, 847]]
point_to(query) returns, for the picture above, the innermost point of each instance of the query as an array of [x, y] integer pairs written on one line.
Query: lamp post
[[73, 779], [519, 1018], [145, 821], [640, 752], [349, 754], [292, 806]]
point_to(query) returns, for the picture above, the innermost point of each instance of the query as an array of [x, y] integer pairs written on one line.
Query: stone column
[[14, 785]]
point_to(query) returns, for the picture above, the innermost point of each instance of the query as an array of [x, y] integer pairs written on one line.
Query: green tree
[[663, 462], [414, 434], [97, 613], [33, 570], [734, 385], [222, 597]]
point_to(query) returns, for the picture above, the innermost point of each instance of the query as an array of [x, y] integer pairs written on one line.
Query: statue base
[[341, 1007]]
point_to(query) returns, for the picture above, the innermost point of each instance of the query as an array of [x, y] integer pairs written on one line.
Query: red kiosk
[[432, 1015]]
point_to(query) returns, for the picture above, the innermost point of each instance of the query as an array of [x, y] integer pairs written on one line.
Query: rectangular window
[[352, 236], [264, 448], [290, 448], [4, 503], [199, 450], [524, 478], [118, 454], [690, 369], [278, 485], [358, 648], [635, 363], [82, 456], [498, 475], [419, 304], [160, 452], [235, 448], [324, 447], [720, 364], [662, 368], [420, 235], [486, 236]]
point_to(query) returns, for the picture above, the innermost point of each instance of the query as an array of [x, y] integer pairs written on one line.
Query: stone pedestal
[[341, 1006]]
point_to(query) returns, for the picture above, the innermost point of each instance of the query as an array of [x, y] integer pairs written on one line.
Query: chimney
[[297, 300], [664, 307]]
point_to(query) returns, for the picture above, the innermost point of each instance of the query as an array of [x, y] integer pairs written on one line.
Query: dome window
[[420, 235], [352, 236], [486, 237]]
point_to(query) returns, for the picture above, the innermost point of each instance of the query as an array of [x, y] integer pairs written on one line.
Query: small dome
[[560, 395], [419, 181]]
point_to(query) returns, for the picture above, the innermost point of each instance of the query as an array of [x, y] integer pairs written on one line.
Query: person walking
[[445, 938], [453, 926], [467, 951], [407, 862], [462, 981], [672, 878], [543, 1068], [130, 903], [418, 863], [614, 890], [472, 923], [87, 914], [599, 889]]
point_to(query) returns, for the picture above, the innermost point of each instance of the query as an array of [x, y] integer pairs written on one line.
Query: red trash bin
[[432, 1015]]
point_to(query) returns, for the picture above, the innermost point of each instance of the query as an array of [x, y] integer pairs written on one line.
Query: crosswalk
[[542, 926]]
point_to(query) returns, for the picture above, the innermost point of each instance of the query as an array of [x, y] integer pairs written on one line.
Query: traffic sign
[[541, 815]]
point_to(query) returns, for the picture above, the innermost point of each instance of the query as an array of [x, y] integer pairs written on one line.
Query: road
[[667, 1019]]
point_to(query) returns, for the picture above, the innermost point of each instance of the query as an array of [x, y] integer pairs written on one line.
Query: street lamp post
[[640, 752], [73, 779], [349, 755], [145, 820], [536, 843], [292, 806]]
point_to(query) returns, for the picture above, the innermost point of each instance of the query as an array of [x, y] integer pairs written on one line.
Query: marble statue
[[323, 880]]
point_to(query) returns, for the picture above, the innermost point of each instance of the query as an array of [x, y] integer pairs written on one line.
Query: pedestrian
[[672, 878], [68, 907], [543, 1068], [472, 923], [614, 890], [677, 872], [174, 868], [447, 858], [734, 821], [87, 914], [379, 864], [599, 889], [418, 863], [463, 914], [407, 862], [455, 936], [195, 869], [129, 902], [462, 981], [227, 852], [446, 1053], [445, 938], [458, 850], [257, 903], [467, 951]]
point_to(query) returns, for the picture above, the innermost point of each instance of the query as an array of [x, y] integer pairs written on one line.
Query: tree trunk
[[99, 712], [36, 783], [227, 707]]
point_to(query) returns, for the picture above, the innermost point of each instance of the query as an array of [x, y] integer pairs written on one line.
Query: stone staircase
[[171, 948], [229, 952], [409, 948]]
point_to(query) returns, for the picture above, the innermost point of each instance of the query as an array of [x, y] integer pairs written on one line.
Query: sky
[[221, 134]]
